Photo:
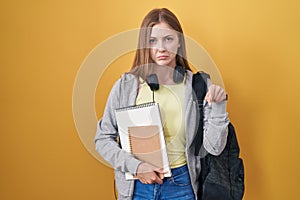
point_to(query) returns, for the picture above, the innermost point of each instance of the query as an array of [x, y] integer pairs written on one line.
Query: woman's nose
[[161, 46]]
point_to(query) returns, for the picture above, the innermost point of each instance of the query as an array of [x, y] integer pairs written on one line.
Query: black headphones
[[152, 79], [178, 74]]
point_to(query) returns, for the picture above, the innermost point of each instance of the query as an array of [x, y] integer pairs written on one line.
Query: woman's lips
[[162, 57]]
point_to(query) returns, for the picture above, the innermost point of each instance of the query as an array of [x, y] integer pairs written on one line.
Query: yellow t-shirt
[[171, 103]]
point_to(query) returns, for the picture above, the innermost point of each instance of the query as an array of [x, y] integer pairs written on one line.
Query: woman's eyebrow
[[163, 36]]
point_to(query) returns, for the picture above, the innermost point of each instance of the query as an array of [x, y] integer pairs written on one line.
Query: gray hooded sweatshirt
[[123, 94]]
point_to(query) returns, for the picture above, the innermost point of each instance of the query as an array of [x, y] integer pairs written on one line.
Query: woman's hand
[[149, 174], [216, 94]]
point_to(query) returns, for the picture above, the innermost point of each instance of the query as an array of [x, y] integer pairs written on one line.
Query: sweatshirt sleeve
[[215, 127], [107, 133]]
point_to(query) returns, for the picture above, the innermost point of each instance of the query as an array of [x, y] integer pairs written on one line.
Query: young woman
[[161, 50]]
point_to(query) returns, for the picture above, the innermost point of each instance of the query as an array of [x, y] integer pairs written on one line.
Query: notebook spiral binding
[[130, 140], [136, 106]]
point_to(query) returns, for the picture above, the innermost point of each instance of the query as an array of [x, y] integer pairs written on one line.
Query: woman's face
[[164, 43]]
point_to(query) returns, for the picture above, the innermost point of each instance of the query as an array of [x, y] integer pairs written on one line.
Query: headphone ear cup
[[178, 74], [152, 81]]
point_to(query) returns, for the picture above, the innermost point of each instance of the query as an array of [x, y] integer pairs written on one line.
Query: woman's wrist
[[218, 108]]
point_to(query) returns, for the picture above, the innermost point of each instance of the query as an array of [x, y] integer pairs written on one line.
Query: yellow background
[[255, 45]]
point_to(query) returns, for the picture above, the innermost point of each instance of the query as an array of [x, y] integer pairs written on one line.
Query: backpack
[[221, 177]]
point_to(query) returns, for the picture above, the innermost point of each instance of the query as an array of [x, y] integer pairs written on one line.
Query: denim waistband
[[179, 170]]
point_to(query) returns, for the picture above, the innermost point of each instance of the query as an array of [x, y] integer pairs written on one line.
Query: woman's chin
[[163, 62]]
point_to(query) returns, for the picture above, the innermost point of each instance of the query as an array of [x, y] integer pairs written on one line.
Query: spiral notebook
[[141, 133]]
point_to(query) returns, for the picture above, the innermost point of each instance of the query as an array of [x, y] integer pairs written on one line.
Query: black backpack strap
[[200, 88], [199, 85]]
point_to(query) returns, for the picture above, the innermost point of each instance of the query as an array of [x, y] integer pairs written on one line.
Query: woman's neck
[[165, 74]]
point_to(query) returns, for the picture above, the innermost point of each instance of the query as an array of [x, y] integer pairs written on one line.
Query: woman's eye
[[151, 41], [169, 39]]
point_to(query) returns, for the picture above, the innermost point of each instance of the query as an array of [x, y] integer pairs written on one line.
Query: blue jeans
[[177, 187]]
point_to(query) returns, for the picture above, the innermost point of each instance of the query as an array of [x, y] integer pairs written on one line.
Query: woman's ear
[[180, 40], [178, 48]]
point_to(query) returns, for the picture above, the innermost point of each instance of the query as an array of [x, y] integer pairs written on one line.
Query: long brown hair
[[142, 61]]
